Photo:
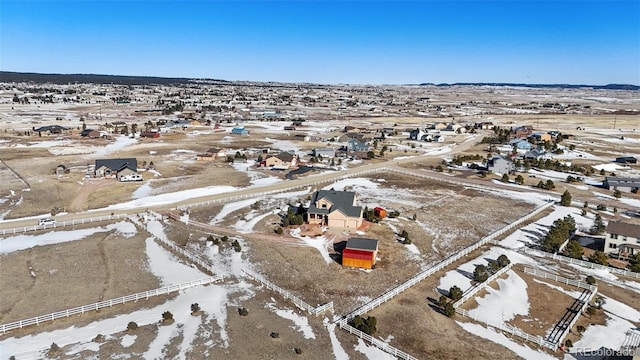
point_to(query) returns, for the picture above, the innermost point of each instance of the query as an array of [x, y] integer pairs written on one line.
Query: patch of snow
[[372, 352], [504, 304], [338, 350], [128, 340], [499, 338], [302, 322], [318, 242]]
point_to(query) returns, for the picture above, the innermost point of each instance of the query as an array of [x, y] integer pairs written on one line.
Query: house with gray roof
[[622, 238], [500, 165], [115, 168], [335, 209], [621, 183]]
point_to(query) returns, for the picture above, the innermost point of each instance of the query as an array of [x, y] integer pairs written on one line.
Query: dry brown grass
[[102, 266]]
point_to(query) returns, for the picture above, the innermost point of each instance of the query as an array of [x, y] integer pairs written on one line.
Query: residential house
[[522, 131], [627, 160], [622, 239], [324, 152], [150, 134], [115, 168], [439, 126], [535, 154], [239, 131], [500, 165], [335, 209], [521, 145], [416, 134], [540, 136], [348, 136], [283, 160], [212, 154], [354, 145], [51, 129], [90, 133], [623, 184]]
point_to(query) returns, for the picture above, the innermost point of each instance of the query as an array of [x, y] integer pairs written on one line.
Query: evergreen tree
[[598, 225], [574, 250], [599, 257], [565, 199]]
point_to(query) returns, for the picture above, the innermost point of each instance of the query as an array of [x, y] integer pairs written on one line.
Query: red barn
[[360, 253]]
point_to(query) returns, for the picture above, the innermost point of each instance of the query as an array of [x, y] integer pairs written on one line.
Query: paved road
[[302, 183]]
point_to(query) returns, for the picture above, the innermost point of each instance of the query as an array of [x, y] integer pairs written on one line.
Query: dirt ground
[[102, 266]]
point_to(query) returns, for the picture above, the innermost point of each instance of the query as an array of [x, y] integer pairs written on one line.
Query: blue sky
[[358, 42]]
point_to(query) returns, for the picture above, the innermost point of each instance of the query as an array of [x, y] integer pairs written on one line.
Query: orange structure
[[360, 253], [379, 212]]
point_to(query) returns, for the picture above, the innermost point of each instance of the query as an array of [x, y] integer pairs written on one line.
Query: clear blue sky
[[358, 42]]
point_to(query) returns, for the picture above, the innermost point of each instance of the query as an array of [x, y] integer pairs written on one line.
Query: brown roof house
[[622, 239], [335, 209], [283, 160], [212, 154]]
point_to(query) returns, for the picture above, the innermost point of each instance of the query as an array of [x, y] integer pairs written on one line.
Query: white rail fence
[[591, 288], [560, 279], [62, 224], [498, 324], [281, 190], [441, 265], [174, 247], [582, 263], [107, 303], [288, 295], [477, 287], [510, 329], [375, 342]]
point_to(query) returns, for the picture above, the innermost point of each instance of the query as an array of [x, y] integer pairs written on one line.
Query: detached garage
[[360, 253]]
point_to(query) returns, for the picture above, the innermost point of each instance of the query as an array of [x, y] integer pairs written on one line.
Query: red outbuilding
[[379, 212], [360, 253]]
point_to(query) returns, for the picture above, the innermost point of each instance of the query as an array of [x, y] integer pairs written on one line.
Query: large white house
[[622, 239]]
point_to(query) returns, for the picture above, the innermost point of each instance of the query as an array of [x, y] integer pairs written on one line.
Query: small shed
[[360, 253], [380, 212]]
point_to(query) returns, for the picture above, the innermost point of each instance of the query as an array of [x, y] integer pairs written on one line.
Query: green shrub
[[278, 230], [580, 329], [167, 316], [568, 343], [132, 325], [243, 311], [195, 307], [591, 311], [455, 293], [591, 280], [297, 351], [274, 335], [449, 310], [481, 273]]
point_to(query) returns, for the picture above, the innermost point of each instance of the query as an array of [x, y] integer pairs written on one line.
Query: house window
[[613, 246], [324, 206], [614, 236]]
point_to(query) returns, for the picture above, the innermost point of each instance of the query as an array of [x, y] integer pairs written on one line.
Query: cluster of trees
[[560, 230], [634, 262], [458, 160], [367, 326], [294, 217], [481, 273], [548, 185]]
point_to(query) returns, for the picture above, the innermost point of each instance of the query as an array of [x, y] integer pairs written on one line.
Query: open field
[[64, 268]]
